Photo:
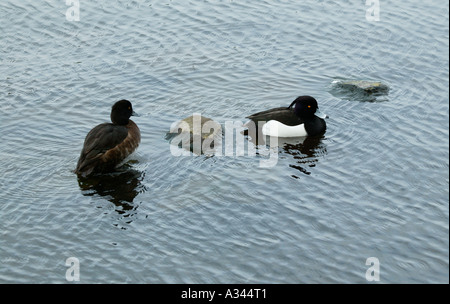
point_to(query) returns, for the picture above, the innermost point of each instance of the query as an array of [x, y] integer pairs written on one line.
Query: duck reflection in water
[[306, 151], [120, 188]]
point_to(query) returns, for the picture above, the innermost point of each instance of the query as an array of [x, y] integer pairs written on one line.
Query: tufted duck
[[301, 118]]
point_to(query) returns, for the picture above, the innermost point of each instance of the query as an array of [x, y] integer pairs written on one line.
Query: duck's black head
[[121, 112], [304, 106]]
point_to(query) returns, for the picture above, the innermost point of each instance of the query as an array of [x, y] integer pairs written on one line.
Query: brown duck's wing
[[282, 114], [99, 140]]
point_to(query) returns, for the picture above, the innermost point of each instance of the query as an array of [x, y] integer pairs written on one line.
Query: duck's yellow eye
[[309, 107]]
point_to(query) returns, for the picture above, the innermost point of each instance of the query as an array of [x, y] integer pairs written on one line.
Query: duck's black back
[[282, 114]]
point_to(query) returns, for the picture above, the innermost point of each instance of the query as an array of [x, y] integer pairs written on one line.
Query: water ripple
[[376, 184]]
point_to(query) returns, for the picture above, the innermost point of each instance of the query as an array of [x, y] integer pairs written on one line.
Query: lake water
[[375, 185]]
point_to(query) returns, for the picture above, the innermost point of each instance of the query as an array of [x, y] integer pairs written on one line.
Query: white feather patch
[[276, 128]]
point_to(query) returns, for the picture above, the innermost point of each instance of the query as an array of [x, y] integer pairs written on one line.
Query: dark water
[[375, 185]]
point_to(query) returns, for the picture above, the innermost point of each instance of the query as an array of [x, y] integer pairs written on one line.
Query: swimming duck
[[108, 144], [301, 118]]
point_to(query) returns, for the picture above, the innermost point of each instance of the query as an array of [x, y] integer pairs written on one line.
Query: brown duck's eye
[[129, 108]]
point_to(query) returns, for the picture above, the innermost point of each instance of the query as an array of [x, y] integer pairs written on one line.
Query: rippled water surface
[[375, 185]]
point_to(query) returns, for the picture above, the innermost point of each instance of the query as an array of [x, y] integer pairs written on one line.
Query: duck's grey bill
[[320, 114]]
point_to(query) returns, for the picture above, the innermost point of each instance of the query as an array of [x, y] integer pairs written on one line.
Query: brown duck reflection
[[120, 188]]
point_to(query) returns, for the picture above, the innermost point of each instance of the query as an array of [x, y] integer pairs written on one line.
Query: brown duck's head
[[121, 112]]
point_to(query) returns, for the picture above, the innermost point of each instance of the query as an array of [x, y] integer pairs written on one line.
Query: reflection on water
[[305, 152], [120, 188]]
